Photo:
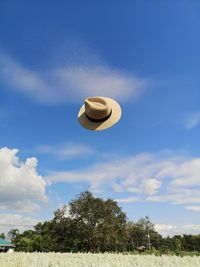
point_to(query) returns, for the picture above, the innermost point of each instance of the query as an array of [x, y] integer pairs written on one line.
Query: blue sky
[[145, 55]]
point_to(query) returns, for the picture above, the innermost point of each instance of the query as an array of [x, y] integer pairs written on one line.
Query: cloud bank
[[171, 230], [71, 83], [21, 188]]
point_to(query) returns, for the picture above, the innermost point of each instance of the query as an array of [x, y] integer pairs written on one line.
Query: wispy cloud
[[178, 196], [70, 83], [159, 177], [66, 151], [192, 120], [127, 200], [193, 208]]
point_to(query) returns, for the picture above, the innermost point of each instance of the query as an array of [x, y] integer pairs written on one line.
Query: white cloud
[[178, 196], [66, 151], [171, 230], [124, 169], [117, 187], [175, 178], [16, 221], [191, 228], [70, 83], [166, 229], [151, 186], [187, 174], [127, 200], [21, 188], [193, 120], [193, 208]]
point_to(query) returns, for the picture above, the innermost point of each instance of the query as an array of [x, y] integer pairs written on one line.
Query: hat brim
[[97, 126]]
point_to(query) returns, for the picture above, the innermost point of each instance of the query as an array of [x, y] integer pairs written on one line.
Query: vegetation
[[90, 224], [2, 236], [94, 260]]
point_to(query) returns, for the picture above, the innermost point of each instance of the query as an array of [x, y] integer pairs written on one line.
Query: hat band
[[99, 120]]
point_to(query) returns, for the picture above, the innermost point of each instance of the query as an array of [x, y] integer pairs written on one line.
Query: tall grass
[[94, 260]]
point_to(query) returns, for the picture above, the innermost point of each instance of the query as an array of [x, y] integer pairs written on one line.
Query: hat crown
[[97, 108]]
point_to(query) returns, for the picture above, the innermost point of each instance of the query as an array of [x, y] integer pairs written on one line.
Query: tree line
[[91, 224]]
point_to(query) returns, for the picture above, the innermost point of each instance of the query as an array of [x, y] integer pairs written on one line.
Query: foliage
[[90, 224], [2, 236], [13, 233]]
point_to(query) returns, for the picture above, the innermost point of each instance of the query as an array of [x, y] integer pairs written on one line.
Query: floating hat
[[99, 113]]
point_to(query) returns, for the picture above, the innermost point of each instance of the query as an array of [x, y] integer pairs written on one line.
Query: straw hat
[[99, 113]]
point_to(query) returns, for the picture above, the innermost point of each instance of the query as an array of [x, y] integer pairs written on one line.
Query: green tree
[[2, 236], [148, 227], [44, 239], [94, 224], [25, 244], [13, 233], [136, 236]]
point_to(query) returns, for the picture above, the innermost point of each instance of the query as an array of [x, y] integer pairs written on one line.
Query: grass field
[[94, 260]]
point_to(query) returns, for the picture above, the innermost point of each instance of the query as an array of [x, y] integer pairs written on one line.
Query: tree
[[139, 234], [148, 227], [14, 234], [136, 236], [44, 239], [91, 224], [156, 239], [63, 232], [145, 223], [94, 224], [191, 242], [2, 236], [25, 244]]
